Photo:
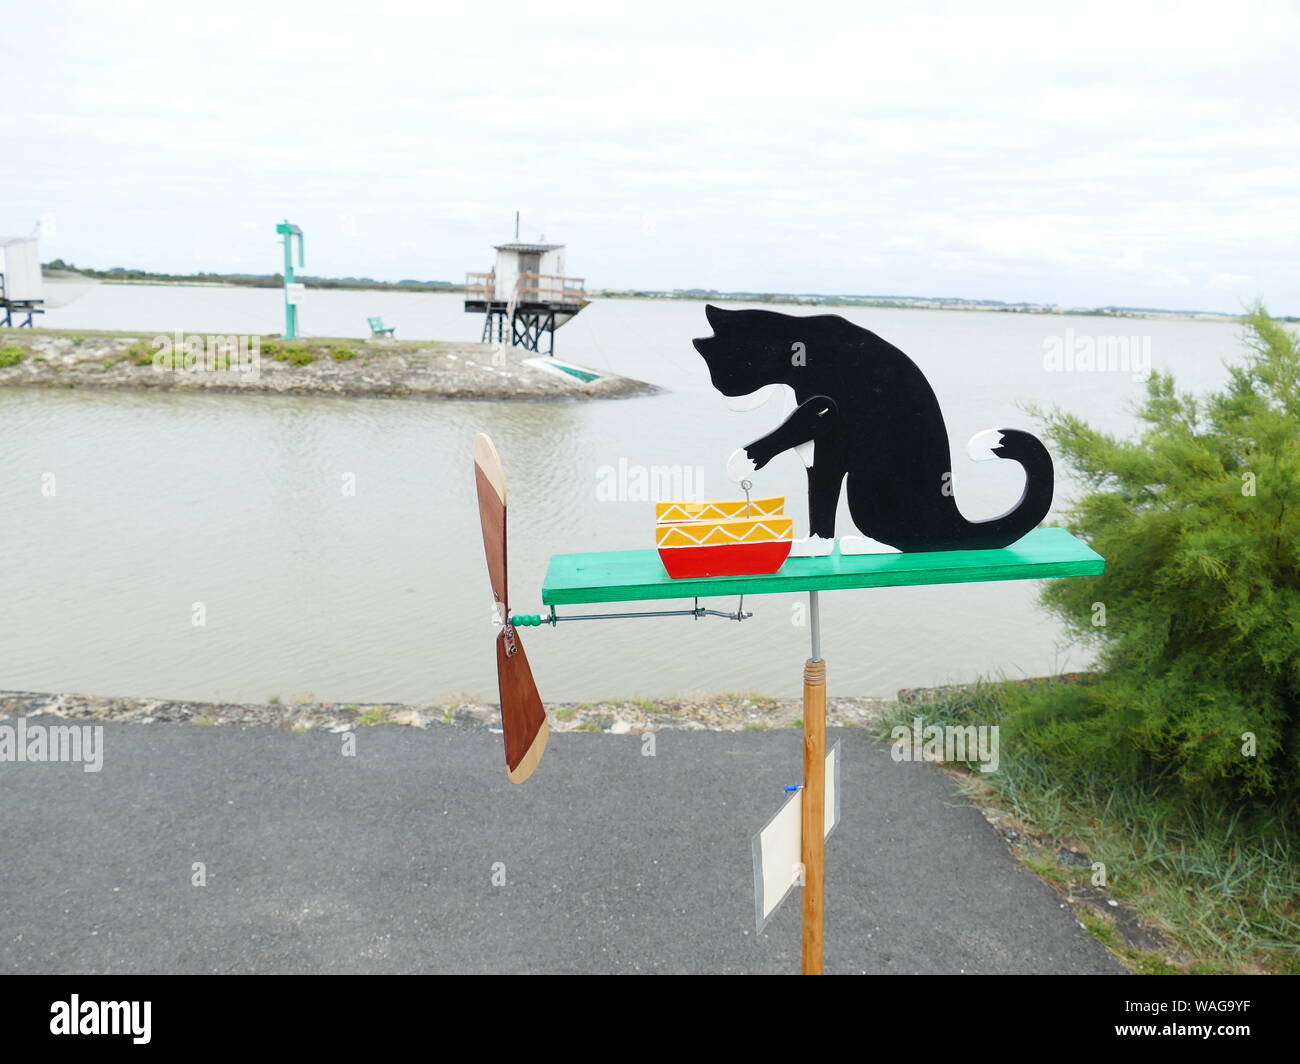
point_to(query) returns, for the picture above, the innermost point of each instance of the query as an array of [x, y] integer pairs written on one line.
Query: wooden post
[[813, 827]]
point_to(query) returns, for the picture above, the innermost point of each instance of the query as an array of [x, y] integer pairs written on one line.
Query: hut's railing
[[529, 288], [480, 285], [549, 288]]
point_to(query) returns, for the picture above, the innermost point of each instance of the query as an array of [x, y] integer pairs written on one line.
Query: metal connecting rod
[[815, 623], [526, 620]]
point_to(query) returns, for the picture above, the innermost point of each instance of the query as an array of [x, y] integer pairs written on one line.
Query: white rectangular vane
[[778, 847]]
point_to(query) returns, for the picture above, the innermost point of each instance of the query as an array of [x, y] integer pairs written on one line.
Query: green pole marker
[[290, 307]]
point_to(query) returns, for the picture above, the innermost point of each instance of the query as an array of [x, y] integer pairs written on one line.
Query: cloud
[[1099, 155]]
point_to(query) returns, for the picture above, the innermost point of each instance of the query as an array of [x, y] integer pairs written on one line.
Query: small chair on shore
[[377, 328]]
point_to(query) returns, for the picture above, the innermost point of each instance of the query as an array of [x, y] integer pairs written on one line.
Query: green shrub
[[296, 355], [271, 349], [1199, 523], [11, 355], [342, 354], [140, 353]]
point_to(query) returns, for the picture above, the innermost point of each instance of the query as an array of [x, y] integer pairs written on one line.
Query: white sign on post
[[295, 293], [778, 847]]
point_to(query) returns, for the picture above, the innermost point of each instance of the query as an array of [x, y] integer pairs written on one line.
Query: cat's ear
[[716, 315]]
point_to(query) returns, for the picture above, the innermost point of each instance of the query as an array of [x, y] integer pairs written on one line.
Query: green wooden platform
[[635, 575]]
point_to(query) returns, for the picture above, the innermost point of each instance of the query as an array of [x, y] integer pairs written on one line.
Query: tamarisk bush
[[1197, 617]]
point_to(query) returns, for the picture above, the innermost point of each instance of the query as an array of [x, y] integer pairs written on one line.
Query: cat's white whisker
[[741, 403]]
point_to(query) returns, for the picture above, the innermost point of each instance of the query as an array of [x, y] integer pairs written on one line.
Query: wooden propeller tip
[[489, 462], [532, 756]]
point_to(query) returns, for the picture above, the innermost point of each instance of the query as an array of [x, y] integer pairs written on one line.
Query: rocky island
[[317, 366]]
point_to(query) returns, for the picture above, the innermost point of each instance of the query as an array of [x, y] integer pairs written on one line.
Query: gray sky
[[1133, 154]]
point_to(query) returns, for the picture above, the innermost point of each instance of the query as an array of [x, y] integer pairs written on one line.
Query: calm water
[[236, 503]]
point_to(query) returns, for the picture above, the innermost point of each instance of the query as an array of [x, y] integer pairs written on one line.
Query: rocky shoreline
[[744, 711], [316, 366], [738, 712]]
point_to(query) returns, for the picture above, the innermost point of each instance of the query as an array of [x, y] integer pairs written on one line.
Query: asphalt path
[[392, 860]]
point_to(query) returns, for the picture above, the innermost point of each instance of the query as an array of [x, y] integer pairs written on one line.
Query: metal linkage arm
[[528, 620]]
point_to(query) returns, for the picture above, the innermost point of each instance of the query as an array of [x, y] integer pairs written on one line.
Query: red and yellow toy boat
[[732, 537]]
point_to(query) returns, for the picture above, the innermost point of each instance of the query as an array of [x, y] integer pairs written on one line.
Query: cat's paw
[[811, 547], [850, 545], [740, 466], [980, 446]]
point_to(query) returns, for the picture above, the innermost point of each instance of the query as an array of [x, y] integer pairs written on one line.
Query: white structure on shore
[[20, 268], [531, 268], [528, 288], [22, 289]]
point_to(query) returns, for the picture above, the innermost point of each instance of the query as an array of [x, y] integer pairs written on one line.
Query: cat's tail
[[1026, 449]]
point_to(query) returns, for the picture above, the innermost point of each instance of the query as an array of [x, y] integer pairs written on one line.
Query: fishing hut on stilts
[[526, 297]]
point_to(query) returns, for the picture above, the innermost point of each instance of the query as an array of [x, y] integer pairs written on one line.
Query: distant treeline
[[813, 298], [249, 280], [275, 280], [905, 302]]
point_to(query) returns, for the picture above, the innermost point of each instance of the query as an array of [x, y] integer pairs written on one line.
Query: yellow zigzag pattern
[[717, 533], [719, 510]]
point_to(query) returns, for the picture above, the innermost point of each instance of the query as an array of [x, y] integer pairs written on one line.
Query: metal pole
[[815, 622], [290, 311], [813, 826]]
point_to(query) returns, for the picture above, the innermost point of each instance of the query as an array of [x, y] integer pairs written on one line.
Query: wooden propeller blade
[[490, 481], [523, 720]]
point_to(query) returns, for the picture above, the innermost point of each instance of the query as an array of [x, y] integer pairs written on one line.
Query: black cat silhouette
[[872, 416]]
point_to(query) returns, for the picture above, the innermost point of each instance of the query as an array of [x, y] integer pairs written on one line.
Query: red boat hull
[[728, 559]]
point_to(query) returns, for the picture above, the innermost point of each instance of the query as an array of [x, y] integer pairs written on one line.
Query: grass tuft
[[1221, 881]]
